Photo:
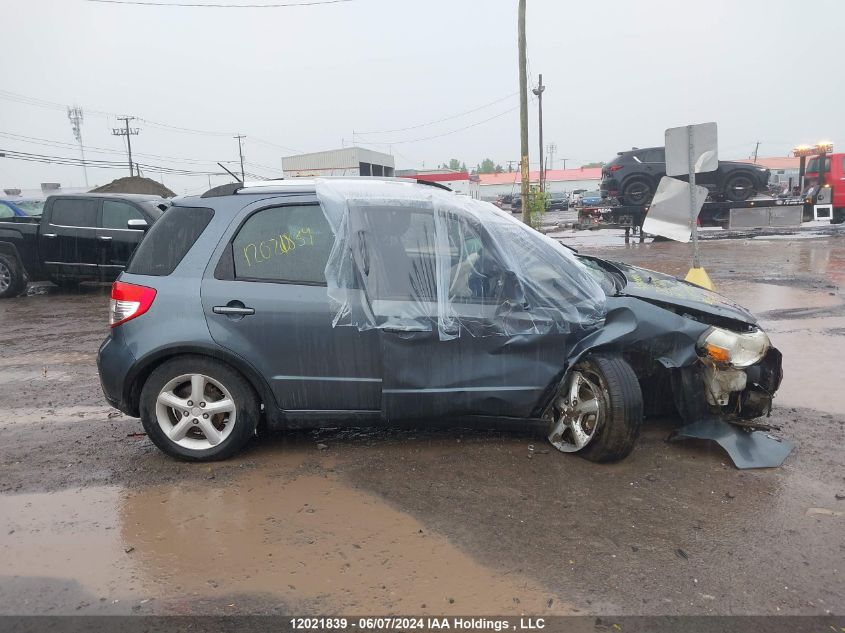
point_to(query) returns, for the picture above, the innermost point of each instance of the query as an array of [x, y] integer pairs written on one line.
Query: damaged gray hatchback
[[303, 303]]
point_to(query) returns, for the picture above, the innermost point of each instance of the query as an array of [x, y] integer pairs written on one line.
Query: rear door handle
[[49, 235], [104, 238], [233, 310]]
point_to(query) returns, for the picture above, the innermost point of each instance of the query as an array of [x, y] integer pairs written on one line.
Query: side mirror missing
[[137, 225]]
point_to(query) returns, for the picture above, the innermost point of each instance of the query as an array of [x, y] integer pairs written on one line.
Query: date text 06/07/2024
[[418, 623]]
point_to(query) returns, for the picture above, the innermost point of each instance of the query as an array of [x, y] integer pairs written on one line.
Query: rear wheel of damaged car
[[636, 191], [12, 280], [598, 410], [198, 409]]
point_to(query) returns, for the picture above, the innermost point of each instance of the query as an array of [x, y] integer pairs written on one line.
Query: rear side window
[[74, 212], [289, 244], [116, 215], [169, 240]]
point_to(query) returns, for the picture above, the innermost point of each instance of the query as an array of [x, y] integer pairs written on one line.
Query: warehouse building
[[491, 186], [349, 161]]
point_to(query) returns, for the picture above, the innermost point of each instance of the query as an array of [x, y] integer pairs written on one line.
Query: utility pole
[[756, 147], [240, 138], [551, 148], [523, 111], [564, 161], [75, 116], [539, 92], [128, 133]]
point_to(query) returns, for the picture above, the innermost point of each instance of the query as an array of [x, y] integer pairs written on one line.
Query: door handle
[[233, 310], [104, 238], [49, 235]]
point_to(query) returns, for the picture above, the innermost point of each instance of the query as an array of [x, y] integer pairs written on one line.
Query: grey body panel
[[747, 449]]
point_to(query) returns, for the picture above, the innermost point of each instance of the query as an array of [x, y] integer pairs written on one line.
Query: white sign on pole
[[671, 214], [705, 156]]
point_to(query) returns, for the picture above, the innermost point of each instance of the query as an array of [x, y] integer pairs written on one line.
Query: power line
[[100, 164], [53, 105], [198, 5], [448, 118], [35, 140], [460, 129]]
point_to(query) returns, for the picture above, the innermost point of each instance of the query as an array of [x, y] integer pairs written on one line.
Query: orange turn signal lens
[[718, 354]]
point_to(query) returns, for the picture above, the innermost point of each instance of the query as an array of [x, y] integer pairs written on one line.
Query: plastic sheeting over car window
[[410, 257]]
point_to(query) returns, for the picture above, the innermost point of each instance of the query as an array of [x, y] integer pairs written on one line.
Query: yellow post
[[699, 277]]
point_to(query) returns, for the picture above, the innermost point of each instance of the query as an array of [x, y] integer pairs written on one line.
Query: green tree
[[464, 167], [595, 164], [454, 164], [487, 166], [499, 169]]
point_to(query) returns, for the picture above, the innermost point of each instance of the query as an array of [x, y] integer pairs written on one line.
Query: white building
[[492, 186], [349, 161]]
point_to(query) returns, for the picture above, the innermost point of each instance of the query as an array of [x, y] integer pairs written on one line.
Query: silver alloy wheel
[[195, 411], [5, 277], [577, 412]]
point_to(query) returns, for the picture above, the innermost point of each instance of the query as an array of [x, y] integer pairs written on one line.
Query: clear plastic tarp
[[415, 258]]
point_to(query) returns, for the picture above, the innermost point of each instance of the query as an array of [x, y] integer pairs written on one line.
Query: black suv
[[632, 177]]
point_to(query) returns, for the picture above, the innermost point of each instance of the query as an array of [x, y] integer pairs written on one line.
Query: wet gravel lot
[[93, 519]]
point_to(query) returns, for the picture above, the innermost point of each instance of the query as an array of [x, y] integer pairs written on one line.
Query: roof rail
[[291, 184]]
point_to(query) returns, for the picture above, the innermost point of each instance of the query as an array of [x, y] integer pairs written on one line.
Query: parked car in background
[[557, 201], [575, 197], [355, 302], [516, 203], [632, 177], [79, 237], [504, 201], [591, 198]]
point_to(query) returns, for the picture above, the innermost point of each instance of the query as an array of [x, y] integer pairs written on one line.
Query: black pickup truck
[[83, 237]]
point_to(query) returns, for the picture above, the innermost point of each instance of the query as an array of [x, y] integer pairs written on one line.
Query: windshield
[[813, 164], [610, 279], [30, 207]]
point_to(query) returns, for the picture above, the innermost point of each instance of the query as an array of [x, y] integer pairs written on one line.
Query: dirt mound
[[135, 184]]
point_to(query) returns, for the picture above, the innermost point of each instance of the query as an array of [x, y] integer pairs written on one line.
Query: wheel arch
[[10, 249], [147, 364]]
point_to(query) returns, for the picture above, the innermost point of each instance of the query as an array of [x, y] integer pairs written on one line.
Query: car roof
[[138, 197], [297, 185]]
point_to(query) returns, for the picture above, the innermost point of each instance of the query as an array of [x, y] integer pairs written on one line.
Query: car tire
[[636, 191], [739, 188], [12, 278], [221, 384], [610, 434]]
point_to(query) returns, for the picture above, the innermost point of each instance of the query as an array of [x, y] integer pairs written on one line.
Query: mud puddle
[[299, 538]]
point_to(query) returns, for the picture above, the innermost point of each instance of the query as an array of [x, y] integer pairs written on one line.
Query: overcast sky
[[305, 78]]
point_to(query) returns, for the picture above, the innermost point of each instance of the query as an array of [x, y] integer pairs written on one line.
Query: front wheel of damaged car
[[198, 409], [598, 410]]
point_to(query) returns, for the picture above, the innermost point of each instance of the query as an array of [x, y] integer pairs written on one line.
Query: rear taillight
[[614, 168], [128, 301]]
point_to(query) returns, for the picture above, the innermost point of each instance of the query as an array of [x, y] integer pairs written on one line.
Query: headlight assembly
[[737, 349]]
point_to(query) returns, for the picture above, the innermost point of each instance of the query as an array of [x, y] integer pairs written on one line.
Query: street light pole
[[523, 111], [539, 92]]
